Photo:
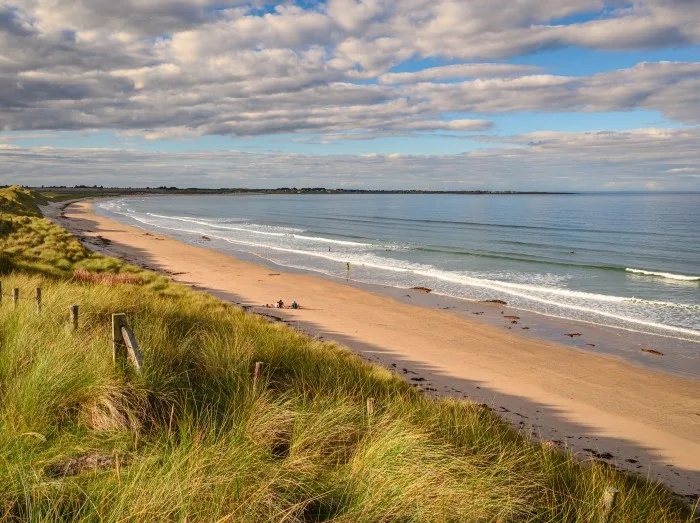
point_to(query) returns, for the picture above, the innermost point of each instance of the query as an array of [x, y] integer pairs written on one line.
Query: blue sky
[[607, 91]]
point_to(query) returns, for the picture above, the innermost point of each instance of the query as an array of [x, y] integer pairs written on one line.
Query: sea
[[628, 261]]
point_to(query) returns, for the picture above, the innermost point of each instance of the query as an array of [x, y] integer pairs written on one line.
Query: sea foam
[[667, 275]]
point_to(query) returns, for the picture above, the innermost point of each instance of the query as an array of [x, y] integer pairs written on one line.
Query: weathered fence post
[[0, 293], [124, 342], [15, 296], [132, 348], [74, 316], [118, 321], [38, 299], [259, 365], [609, 498], [370, 407]]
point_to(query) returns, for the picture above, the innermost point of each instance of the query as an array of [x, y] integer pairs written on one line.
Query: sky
[[575, 95]]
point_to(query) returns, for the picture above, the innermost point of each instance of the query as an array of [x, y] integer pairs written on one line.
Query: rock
[[422, 289], [654, 352], [600, 455], [206, 238], [512, 317], [573, 334], [499, 302]]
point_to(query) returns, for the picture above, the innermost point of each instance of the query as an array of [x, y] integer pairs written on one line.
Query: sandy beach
[[598, 406]]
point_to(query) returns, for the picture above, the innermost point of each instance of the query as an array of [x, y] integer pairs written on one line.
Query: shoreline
[[589, 403], [665, 352]]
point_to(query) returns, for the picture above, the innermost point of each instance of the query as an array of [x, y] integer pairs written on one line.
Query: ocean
[[628, 261]]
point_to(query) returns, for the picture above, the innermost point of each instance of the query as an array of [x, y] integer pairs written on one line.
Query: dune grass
[[193, 438], [19, 201]]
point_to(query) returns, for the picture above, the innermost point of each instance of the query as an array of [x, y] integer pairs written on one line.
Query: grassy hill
[[193, 438], [19, 201]]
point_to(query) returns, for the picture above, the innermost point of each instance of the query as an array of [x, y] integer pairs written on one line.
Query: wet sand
[[598, 406]]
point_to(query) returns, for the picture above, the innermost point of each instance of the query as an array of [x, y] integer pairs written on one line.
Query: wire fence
[[124, 344]]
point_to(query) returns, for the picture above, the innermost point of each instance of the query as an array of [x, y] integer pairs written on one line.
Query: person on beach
[[347, 266], [295, 305], [280, 304]]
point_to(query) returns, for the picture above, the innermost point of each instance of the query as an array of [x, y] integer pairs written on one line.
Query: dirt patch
[[75, 466], [106, 278]]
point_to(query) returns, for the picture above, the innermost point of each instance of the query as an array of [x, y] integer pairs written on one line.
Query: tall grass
[[20, 201], [192, 438], [196, 440]]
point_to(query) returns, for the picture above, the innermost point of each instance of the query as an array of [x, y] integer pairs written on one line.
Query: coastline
[[587, 402]]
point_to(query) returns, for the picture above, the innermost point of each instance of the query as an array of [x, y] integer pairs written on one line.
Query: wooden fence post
[[15, 296], [259, 365], [370, 407], [74, 309], [118, 321], [132, 348], [38, 299], [608, 503], [0, 293]]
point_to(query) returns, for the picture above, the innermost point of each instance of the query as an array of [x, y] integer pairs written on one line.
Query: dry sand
[[598, 406]]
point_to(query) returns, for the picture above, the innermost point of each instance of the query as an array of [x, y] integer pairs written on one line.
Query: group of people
[[280, 305]]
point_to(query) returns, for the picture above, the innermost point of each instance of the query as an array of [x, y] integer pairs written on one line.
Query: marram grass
[[192, 439]]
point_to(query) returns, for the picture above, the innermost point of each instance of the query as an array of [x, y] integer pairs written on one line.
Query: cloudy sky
[[444, 94]]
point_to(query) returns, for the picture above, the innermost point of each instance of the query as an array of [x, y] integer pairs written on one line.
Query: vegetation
[[193, 438], [18, 201]]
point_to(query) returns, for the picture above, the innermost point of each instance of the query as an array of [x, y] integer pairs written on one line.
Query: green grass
[[20, 202], [197, 441]]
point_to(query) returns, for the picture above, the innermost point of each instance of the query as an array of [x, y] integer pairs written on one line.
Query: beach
[[598, 406]]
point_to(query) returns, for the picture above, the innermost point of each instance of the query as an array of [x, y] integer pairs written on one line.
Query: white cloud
[[665, 86], [186, 68], [458, 71], [536, 161]]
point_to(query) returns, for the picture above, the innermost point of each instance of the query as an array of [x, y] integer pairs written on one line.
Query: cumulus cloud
[[182, 68], [458, 71], [533, 161], [665, 86]]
